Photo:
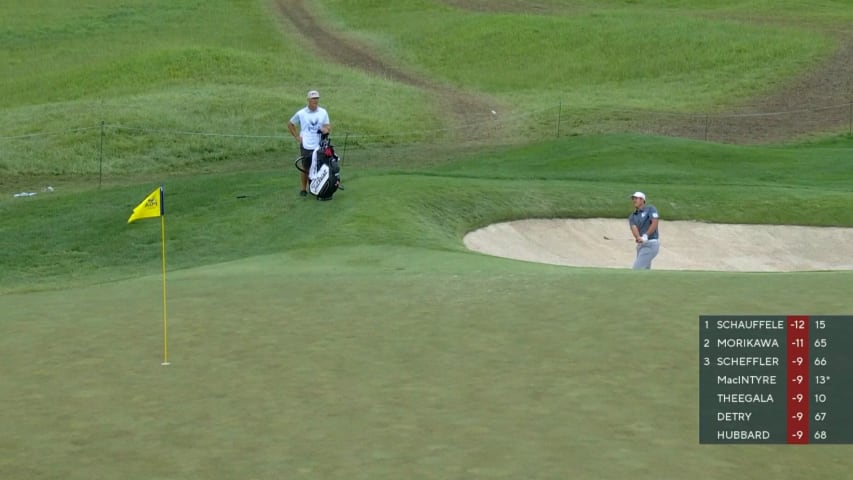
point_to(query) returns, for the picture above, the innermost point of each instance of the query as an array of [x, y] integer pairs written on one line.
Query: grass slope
[[235, 71], [598, 55], [225, 216], [357, 338]]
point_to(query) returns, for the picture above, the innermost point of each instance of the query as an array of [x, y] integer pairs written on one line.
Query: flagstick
[[165, 322]]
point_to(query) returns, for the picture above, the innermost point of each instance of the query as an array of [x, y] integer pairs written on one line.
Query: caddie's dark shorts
[[306, 158]]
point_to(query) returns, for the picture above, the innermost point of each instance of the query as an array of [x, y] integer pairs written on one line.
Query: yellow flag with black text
[[151, 207]]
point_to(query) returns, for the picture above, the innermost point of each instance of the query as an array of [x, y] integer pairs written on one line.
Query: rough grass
[[219, 216], [163, 70]]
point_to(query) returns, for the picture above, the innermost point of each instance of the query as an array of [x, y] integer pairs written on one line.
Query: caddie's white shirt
[[309, 123]]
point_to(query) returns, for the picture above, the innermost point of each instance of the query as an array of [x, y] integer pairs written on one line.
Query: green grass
[[107, 49], [425, 208], [234, 71], [383, 362], [165, 70], [596, 57], [358, 338]]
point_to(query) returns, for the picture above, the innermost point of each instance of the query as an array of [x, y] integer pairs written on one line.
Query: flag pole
[[152, 206], [165, 321]]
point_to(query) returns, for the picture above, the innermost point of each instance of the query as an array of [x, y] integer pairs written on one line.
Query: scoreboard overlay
[[776, 379]]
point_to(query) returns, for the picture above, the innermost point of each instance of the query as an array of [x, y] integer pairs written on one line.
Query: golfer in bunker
[[644, 227]]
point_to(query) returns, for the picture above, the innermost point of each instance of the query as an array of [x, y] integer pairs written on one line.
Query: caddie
[[313, 121]]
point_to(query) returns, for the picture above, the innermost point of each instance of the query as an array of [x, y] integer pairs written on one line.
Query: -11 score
[[818, 343]]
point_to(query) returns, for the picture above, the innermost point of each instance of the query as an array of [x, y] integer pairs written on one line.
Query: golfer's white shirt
[[309, 123]]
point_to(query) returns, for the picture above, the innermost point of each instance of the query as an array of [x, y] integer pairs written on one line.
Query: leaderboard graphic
[[776, 379]]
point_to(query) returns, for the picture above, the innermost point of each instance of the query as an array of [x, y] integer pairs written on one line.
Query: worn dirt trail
[[812, 100]]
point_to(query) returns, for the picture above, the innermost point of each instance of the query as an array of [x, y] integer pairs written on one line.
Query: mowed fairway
[[403, 364], [358, 338]]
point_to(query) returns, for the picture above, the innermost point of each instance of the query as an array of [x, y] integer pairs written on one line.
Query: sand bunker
[[599, 242]]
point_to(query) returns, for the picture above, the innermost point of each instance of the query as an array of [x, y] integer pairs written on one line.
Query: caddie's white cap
[[639, 195], [313, 94]]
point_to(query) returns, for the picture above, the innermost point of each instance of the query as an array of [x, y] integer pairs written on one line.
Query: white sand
[[599, 242]]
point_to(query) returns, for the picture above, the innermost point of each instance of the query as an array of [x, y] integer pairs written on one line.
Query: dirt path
[[346, 51], [815, 102]]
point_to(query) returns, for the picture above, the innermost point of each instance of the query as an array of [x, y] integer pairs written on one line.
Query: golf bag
[[324, 176]]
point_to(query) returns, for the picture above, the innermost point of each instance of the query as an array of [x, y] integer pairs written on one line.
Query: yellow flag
[[151, 207]]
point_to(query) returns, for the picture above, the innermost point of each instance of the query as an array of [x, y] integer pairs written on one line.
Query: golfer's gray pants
[[646, 252]]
